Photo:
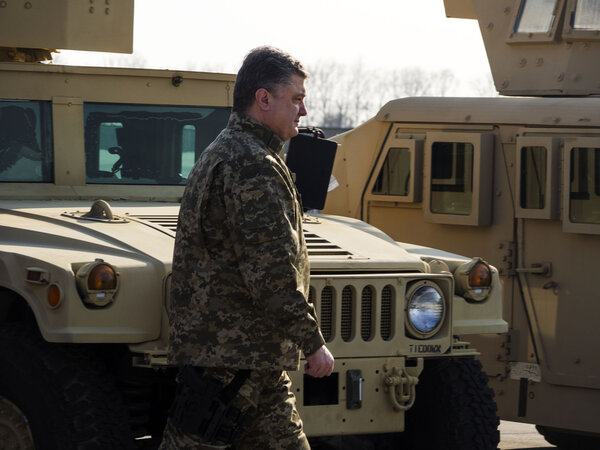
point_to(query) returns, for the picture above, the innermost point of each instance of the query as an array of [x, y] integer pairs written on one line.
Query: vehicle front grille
[[326, 316], [366, 313], [347, 305], [386, 313], [357, 308]]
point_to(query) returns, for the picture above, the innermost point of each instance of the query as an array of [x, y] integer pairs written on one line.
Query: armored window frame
[[415, 149], [570, 167], [570, 32], [140, 157], [481, 178], [550, 188], [31, 127], [528, 37]]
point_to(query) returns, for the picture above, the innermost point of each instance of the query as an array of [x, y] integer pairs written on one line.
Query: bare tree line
[[343, 96]]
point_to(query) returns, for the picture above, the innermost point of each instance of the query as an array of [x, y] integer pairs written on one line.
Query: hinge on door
[[508, 258]]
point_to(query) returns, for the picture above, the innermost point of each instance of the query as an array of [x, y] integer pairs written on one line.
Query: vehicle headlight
[[425, 309], [97, 282], [473, 280]]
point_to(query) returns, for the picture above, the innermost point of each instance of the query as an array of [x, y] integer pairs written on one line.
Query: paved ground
[[513, 436], [520, 436]]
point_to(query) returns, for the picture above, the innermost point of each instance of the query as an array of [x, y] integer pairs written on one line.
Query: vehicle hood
[[335, 243]]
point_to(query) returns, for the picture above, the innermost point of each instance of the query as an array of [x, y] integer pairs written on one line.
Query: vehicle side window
[[533, 177], [459, 178], [537, 175], [536, 21], [398, 172], [582, 20], [587, 15], [394, 176], [584, 188], [146, 144], [535, 16], [452, 178], [25, 141]]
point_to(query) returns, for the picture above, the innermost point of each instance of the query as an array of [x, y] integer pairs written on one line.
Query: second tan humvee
[[517, 182]]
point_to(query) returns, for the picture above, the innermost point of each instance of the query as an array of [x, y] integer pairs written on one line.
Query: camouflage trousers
[[271, 420]]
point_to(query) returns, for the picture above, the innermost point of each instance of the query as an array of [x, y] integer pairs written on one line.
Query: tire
[[67, 396], [454, 408], [14, 429], [567, 440]]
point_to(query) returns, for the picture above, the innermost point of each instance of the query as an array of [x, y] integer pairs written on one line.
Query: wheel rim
[[14, 426]]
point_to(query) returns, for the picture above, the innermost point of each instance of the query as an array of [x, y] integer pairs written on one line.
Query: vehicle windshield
[[145, 144]]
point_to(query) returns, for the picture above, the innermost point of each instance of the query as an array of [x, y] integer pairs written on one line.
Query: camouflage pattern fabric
[[240, 266], [272, 421]]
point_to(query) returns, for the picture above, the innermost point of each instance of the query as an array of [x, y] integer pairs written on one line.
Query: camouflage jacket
[[240, 278]]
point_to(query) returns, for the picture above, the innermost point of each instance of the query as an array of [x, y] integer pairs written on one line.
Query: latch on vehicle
[[100, 211], [401, 385]]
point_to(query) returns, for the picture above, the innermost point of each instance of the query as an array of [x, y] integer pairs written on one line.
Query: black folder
[[311, 158]]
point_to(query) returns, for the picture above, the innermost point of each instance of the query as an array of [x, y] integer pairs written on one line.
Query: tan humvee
[[517, 182], [93, 162]]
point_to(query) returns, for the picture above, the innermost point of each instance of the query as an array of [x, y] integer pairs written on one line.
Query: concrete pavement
[[520, 436]]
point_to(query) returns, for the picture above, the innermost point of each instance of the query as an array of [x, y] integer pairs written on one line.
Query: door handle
[[537, 269]]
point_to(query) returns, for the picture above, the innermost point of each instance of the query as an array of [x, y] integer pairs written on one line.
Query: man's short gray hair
[[264, 67]]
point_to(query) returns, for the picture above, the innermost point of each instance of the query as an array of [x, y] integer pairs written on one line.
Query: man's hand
[[319, 364]]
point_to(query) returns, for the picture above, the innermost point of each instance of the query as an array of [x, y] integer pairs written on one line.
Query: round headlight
[[473, 280], [480, 276], [425, 309], [102, 277], [97, 282]]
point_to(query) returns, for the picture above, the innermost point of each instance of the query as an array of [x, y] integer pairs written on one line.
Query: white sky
[[215, 35]]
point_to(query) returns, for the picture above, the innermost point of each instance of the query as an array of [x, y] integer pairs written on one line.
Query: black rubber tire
[[15, 432], [568, 440], [454, 408], [68, 396]]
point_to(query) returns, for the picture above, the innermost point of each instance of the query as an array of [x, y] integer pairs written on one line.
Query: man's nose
[[303, 111]]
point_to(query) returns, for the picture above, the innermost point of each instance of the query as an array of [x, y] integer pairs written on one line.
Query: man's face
[[287, 108]]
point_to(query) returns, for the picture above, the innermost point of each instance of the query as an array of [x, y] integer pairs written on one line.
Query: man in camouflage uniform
[[240, 282]]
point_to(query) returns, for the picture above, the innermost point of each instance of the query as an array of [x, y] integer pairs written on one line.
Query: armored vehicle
[[517, 182], [93, 163]]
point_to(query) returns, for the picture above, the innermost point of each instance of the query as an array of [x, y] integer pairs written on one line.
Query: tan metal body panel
[[552, 313], [531, 111], [558, 57], [35, 234], [67, 113], [67, 24], [376, 414], [95, 84], [462, 9], [39, 234], [351, 173]]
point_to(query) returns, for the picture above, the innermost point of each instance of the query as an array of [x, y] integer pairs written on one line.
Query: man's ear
[[263, 99]]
